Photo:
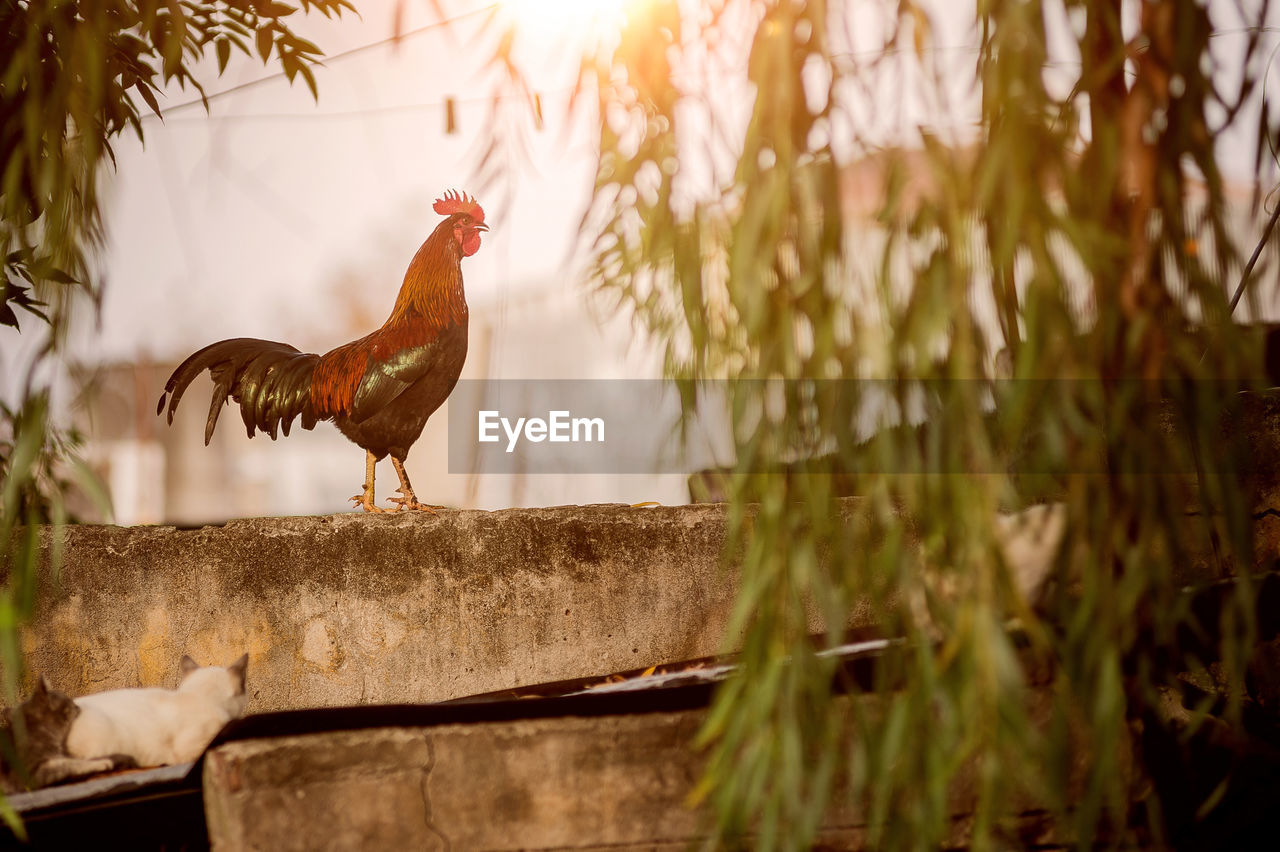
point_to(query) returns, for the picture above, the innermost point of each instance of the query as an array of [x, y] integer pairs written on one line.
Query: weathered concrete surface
[[352, 609], [618, 782], [527, 784]]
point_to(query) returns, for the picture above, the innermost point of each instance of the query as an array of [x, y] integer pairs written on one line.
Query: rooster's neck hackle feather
[[432, 289], [431, 300]]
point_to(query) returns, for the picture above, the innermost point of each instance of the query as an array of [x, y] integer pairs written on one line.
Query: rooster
[[378, 390]]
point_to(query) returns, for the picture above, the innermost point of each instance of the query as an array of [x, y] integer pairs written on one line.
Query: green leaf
[[301, 45], [223, 47], [147, 95], [87, 481], [264, 43], [11, 819], [58, 275], [310, 81]]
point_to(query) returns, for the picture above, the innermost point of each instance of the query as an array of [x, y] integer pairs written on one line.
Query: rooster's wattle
[[378, 390]]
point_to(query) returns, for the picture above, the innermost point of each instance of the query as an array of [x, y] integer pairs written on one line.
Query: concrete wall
[[350, 608]]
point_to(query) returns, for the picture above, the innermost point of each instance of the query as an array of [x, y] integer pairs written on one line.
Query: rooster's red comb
[[455, 202]]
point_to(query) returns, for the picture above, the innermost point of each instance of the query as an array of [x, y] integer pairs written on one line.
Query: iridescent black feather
[[270, 381]]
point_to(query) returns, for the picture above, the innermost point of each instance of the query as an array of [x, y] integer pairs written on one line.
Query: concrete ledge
[[352, 609], [614, 781], [356, 609], [618, 781]]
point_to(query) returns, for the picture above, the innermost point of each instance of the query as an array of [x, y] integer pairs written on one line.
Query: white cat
[[157, 727]]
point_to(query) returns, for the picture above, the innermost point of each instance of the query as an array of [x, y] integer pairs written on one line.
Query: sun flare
[[563, 17]]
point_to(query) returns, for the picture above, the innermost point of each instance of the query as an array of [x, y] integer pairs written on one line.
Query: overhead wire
[[344, 54], [313, 115], [398, 108]]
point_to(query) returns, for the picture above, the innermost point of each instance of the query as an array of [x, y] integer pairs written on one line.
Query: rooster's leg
[[408, 501], [365, 500]]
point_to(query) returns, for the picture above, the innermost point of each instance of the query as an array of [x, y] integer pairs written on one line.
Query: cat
[[159, 727], [38, 743], [65, 739]]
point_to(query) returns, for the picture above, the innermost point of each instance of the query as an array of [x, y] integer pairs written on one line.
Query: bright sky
[[277, 217]]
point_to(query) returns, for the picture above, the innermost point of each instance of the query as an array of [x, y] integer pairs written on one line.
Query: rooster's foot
[[365, 502], [409, 503]]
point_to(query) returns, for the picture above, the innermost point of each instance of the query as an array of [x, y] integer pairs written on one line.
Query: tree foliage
[[74, 75], [1076, 232]]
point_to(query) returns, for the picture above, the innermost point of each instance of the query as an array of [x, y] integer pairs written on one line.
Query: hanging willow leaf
[[1048, 238]]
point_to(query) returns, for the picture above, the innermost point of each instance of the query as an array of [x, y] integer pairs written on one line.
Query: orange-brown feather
[[430, 300]]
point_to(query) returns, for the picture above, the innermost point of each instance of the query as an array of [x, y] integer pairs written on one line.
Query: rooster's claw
[[359, 501], [409, 503]]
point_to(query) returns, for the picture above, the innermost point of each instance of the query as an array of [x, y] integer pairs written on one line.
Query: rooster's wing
[[387, 379]]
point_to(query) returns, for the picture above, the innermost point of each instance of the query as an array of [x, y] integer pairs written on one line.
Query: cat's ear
[[188, 665], [238, 669], [42, 686]]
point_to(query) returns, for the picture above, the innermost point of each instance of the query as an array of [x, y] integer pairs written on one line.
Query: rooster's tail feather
[[270, 381]]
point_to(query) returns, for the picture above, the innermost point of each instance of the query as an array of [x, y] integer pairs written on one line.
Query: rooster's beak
[[481, 227]]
